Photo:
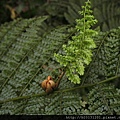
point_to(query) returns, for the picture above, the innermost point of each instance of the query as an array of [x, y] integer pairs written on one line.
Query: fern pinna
[[27, 48]]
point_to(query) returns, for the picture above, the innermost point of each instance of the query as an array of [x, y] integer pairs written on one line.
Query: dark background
[[61, 11]]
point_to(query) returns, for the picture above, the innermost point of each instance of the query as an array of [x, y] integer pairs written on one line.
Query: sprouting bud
[[48, 85], [49, 78]]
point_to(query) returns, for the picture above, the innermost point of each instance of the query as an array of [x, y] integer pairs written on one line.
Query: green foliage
[[105, 11], [108, 96], [27, 48], [78, 52], [106, 58]]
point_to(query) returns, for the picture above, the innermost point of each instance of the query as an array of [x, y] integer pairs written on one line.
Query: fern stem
[[23, 97], [90, 85], [84, 25], [65, 90]]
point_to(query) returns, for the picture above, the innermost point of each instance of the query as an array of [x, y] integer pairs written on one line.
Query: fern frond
[[20, 42], [78, 51], [61, 105], [106, 58], [104, 100], [27, 62]]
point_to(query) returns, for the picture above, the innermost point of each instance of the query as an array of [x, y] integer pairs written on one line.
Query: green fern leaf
[[108, 96]]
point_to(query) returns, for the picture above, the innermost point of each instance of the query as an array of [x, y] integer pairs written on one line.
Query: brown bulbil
[[48, 85]]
